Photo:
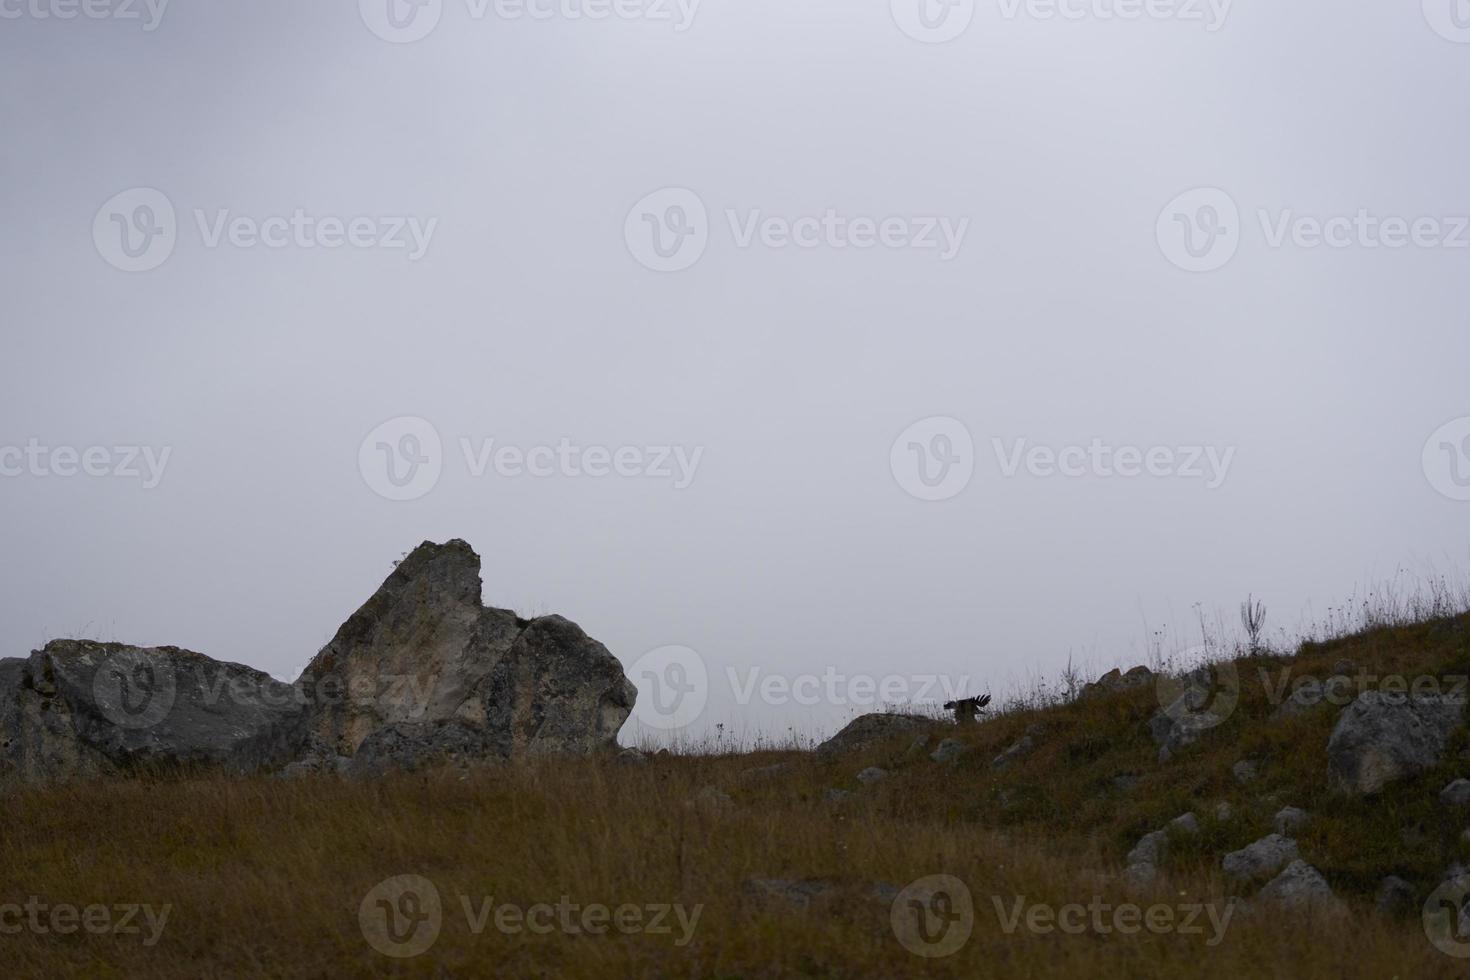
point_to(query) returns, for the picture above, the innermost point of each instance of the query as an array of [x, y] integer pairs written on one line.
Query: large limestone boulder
[[79, 709], [11, 671], [1382, 737], [424, 651]]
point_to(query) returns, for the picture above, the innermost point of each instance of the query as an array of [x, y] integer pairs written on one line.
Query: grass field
[[278, 878]]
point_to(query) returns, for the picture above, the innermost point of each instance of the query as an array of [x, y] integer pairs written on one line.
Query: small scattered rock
[[1344, 668], [1300, 888], [1185, 719], [1150, 849], [871, 775], [1115, 681], [1265, 857], [1245, 771], [837, 795], [949, 750], [1186, 824], [1289, 821], [1144, 860], [872, 729], [1140, 875], [1456, 793], [1224, 811], [632, 757], [1307, 694], [1023, 747], [917, 749]]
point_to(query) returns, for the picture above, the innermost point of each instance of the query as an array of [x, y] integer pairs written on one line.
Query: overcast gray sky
[[876, 299]]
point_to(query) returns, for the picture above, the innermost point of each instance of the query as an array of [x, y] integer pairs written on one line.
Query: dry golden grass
[[265, 877]]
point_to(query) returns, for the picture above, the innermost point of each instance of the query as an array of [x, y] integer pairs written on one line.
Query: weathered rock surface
[[949, 750], [868, 730], [424, 650], [1245, 771], [1265, 857], [1015, 752], [411, 746], [1289, 821], [1144, 860], [1186, 824], [1300, 888], [1456, 793], [79, 709], [871, 775], [422, 673], [1383, 737]]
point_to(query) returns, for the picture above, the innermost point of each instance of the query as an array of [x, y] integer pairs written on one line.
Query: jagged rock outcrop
[[82, 709], [424, 650], [420, 674], [1382, 737]]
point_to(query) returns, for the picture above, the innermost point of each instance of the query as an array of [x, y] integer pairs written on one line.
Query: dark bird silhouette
[[966, 710]]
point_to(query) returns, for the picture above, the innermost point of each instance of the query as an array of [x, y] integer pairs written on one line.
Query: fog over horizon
[[802, 336]]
